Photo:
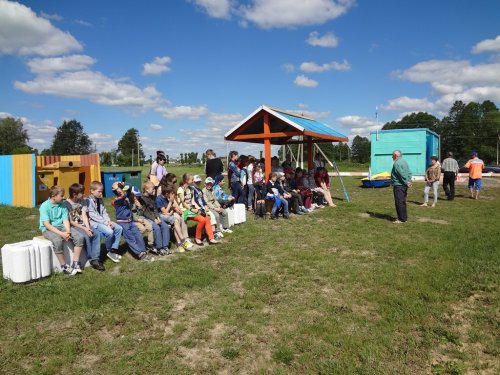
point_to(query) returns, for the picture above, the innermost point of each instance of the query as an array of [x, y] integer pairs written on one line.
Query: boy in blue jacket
[[124, 218]]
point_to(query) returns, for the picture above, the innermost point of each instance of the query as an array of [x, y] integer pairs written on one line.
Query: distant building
[[416, 145]]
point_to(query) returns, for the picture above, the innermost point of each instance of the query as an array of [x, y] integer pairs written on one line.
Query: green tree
[[70, 139], [128, 146], [182, 158], [361, 149], [414, 121], [13, 136]]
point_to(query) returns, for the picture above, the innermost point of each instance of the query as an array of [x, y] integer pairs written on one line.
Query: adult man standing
[[476, 167], [401, 181], [450, 174]]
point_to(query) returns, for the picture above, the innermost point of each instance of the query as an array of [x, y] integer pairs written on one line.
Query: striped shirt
[[449, 165]]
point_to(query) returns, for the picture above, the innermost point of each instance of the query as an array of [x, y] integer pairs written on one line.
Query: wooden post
[[267, 144], [310, 156]]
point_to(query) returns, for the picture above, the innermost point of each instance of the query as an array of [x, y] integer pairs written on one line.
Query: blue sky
[[185, 72]]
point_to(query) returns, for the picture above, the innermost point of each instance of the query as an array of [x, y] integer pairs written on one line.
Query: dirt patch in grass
[[433, 221], [364, 215], [87, 361], [476, 358], [115, 271]]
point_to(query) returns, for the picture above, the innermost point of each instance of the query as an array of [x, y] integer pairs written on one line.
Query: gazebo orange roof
[[270, 125]]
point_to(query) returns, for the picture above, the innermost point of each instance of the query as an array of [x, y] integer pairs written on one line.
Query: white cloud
[[311, 114], [487, 45], [59, 64], [215, 8], [303, 81], [93, 86], [456, 80], [54, 17], [312, 67], [359, 125], [22, 32], [83, 23], [223, 121], [158, 66], [327, 40], [288, 68], [183, 111], [155, 126], [269, 14], [103, 142], [5, 115], [406, 103]]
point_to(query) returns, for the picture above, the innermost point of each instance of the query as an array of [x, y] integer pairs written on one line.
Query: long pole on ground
[[342, 183]]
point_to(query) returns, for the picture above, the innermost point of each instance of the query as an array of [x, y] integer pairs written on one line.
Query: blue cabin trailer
[[416, 145]]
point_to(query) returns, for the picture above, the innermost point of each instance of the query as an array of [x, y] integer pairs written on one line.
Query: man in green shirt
[[401, 181]]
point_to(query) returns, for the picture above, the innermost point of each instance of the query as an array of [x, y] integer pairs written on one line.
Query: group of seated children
[[302, 190], [154, 212]]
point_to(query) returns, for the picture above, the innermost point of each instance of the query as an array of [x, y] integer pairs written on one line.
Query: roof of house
[[284, 125]]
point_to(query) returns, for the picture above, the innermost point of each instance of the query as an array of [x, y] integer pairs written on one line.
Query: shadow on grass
[[377, 215]]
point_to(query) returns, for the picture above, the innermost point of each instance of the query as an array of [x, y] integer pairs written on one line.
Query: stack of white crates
[[27, 260]]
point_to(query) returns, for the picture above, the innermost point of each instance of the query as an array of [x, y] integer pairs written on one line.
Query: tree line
[[466, 127]]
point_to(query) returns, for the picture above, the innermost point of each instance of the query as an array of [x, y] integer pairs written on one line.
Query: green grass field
[[339, 291]]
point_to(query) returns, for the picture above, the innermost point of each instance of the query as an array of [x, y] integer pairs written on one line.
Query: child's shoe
[[146, 258], [76, 266], [181, 248], [154, 250], [67, 270], [187, 244], [113, 256]]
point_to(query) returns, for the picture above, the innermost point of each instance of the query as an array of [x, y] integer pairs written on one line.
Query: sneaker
[[113, 256], [286, 216], [227, 230], [76, 266], [164, 251], [146, 258], [97, 265], [67, 270], [181, 249], [398, 222], [218, 236], [187, 244], [154, 250]]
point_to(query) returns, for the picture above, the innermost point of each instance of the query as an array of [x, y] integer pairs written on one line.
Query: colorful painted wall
[[25, 179], [17, 176]]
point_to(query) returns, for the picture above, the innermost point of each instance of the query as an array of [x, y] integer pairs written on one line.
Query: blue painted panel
[[108, 179], [417, 146], [6, 178]]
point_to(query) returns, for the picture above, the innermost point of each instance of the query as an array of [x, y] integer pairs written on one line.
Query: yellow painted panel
[[70, 158], [22, 180], [40, 161]]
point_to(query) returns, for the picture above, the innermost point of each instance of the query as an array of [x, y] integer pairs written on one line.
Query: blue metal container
[[416, 145], [108, 179]]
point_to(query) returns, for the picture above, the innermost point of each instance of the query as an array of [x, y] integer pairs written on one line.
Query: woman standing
[[432, 175]]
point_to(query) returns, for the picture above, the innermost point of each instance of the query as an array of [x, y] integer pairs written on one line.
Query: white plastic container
[[230, 216], [45, 250], [240, 215], [16, 261], [68, 248]]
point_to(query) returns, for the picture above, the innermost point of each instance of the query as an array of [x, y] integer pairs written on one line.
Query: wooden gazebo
[[272, 126]]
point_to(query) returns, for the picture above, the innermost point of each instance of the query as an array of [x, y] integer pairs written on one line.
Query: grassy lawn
[[339, 291]]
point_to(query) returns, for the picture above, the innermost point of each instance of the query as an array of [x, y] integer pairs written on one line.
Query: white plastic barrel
[[16, 261], [240, 213], [230, 216], [45, 251]]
